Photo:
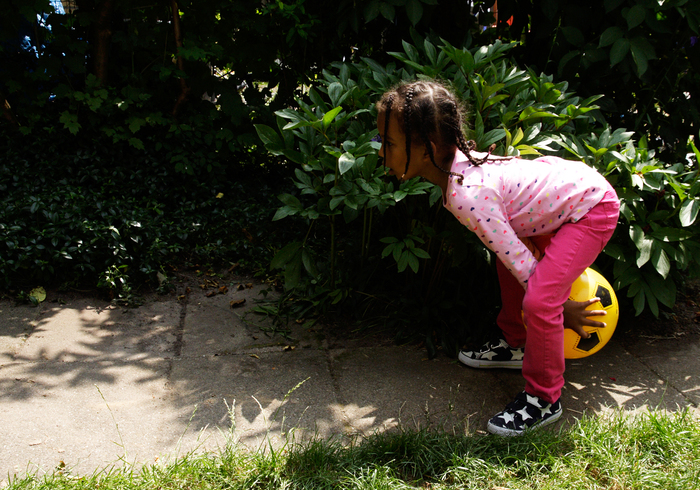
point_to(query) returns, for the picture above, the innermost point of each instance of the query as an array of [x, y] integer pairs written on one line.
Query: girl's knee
[[533, 303]]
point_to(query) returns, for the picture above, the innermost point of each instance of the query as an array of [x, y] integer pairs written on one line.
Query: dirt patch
[[682, 323]]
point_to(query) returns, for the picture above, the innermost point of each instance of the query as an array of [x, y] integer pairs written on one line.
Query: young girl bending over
[[517, 208]]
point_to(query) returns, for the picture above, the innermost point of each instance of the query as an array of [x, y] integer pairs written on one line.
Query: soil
[[682, 323]]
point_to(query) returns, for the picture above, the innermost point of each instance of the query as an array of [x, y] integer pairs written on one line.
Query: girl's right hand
[[576, 316]]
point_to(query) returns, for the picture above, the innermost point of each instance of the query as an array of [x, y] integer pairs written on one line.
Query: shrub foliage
[[349, 208]]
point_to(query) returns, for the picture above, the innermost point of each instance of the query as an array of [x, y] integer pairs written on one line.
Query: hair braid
[[407, 116]]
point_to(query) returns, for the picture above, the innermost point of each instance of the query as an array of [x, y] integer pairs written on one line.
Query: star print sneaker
[[494, 355], [525, 413]]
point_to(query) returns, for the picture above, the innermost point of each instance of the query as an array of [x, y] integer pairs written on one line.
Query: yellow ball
[[591, 285]]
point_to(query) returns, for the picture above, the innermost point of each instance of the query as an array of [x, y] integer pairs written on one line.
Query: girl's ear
[[434, 148]]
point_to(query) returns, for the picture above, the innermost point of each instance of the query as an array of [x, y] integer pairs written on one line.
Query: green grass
[[653, 450]]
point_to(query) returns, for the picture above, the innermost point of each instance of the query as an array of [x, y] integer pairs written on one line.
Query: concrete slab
[[95, 330], [615, 378], [675, 362], [111, 410], [386, 387], [87, 383], [213, 326], [16, 324]]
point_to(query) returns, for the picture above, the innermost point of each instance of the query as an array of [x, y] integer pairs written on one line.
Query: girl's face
[[393, 150]]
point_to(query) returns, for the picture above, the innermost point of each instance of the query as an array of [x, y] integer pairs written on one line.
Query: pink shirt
[[504, 200]]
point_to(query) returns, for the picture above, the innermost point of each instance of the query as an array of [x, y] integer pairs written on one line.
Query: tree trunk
[[184, 88], [102, 35]]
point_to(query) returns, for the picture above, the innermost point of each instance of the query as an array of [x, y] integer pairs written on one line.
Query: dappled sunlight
[[92, 384]]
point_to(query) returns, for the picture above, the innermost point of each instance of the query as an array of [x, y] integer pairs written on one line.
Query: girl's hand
[[576, 316]]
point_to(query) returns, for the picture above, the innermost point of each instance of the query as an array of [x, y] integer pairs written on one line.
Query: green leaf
[[609, 36], [644, 251], [669, 234], [285, 255], [573, 35], [612, 4], [334, 91], [430, 50], [639, 302], [371, 10], [309, 263], [414, 10], [289, 200], [292, 272], [346, 162], [420, 253], [70, 122], [491, 137], [635, 16], [387, 11], [619, 51], [689, 211], [403, 260], [329, 116], [136, 143], [413, 262], [640, 59], [283, 212], [661, 262], [463, 59], [376, 67], [411, 51], [270, 138]]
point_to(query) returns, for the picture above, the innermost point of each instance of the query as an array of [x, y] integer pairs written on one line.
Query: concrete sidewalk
[[89, 385]]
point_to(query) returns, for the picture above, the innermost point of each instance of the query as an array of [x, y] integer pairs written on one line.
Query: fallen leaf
[[211, 293], [249, 285], [38, 293], [240, 287], [289, 347], [255, 356], [220, 195], [223, 289], [237, 302], [35, 443]]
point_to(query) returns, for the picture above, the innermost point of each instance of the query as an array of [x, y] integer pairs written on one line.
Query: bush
[[440, 269], [101, 214]]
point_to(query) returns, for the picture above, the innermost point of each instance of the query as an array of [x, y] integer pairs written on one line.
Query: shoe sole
[[503, 432], [485, 364]]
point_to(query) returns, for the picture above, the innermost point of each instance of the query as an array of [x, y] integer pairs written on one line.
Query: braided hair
[[431, 112]]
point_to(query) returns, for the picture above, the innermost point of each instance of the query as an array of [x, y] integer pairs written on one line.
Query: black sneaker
[[524, 413], [494, 355]]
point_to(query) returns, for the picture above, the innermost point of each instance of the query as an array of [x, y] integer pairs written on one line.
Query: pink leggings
[[571, 250]]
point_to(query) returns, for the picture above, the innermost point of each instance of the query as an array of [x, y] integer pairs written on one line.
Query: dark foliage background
[[128, 142]]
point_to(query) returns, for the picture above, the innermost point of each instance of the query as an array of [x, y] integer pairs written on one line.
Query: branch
[[7, 111]]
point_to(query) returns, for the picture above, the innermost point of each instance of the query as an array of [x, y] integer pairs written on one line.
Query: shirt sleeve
[[482, 210]]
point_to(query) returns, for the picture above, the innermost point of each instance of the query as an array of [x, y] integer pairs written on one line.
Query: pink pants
[[571, 250]]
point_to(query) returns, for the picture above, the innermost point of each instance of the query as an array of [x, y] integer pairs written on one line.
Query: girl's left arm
[[483, 211]]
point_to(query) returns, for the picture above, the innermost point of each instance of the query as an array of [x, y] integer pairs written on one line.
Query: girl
[[517, 208]]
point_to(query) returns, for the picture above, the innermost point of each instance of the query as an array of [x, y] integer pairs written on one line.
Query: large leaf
[[689, 211], [414, 10], [619, 51]]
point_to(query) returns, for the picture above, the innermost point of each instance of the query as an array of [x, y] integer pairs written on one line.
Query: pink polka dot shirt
[[505, 200]]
